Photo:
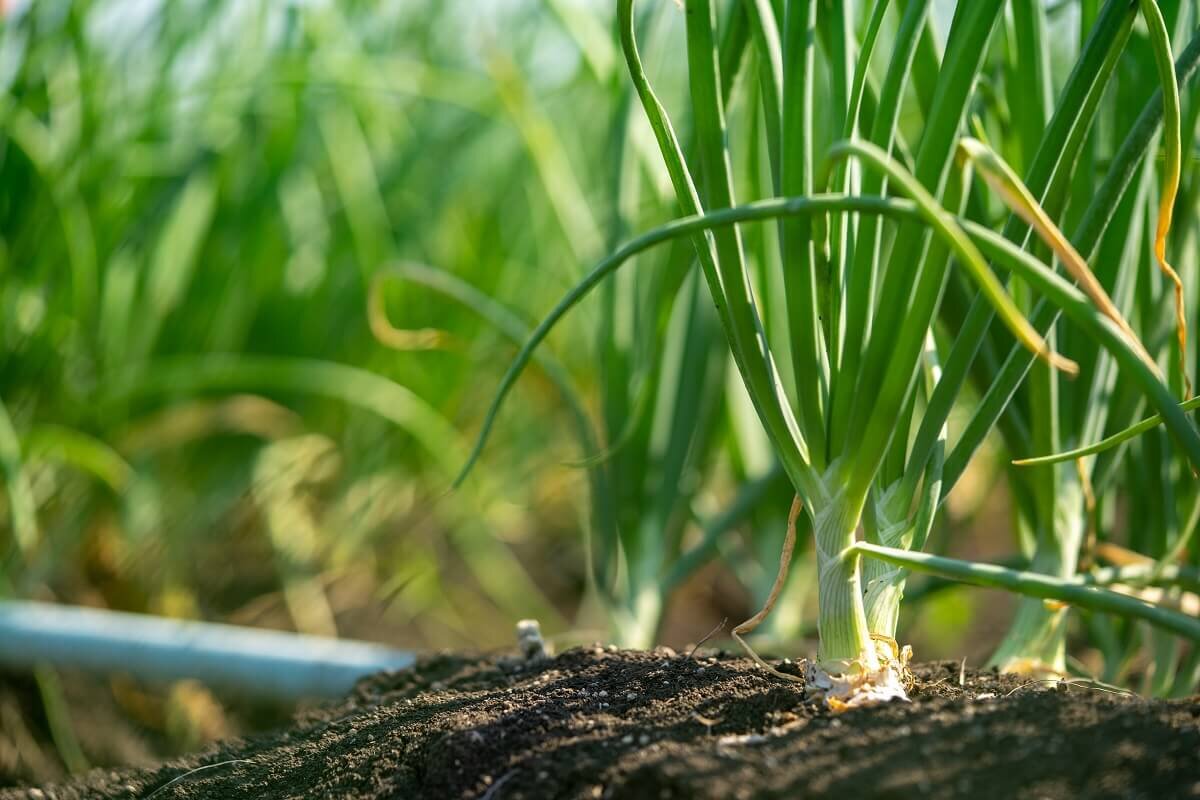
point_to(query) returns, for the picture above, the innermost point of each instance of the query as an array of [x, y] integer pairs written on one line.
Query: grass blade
[[21, 506], [888, 371], [353, 386], [59, 443]]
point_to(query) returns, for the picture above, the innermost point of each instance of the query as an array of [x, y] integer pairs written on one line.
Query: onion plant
[[1053, 500], [1158, 489], [874, 219]]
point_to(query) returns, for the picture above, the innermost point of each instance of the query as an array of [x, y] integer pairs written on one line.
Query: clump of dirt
[[600, 723]]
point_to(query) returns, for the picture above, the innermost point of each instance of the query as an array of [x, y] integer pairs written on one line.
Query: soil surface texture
[[599, 723]]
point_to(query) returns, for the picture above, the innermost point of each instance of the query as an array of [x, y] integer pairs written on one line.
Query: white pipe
[[264, 662]]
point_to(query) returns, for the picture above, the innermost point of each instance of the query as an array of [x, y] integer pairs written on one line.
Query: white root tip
[[859, 686]]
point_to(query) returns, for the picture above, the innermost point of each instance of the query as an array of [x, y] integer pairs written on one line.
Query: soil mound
[[598, 723]]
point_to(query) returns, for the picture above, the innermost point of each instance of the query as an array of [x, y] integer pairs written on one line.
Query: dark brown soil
[[595, 723]]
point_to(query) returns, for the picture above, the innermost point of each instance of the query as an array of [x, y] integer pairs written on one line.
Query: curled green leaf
[[1106, 443]]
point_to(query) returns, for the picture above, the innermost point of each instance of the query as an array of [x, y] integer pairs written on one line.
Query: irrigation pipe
[[266, 663]]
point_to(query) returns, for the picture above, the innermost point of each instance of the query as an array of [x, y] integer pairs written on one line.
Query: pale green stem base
[[884, 583], [841, 620], [635, 605], [882, 600], [1036, 640]]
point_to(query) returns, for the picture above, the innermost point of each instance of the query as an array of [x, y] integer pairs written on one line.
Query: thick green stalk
[[765, 31], [1030, 78], [841, 621], [893, 354], [863, 66], [926, 64], [637, 623], [897, 466], [899, 371], [1072, 119], [861, 290], [885, 583], [1033, 584], [802, 284], [662, 348], [728, 281], [1038, 633], [838, 43]]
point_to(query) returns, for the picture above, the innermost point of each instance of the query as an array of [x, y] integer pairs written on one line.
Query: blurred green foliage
[[194, 198], [228, 392]]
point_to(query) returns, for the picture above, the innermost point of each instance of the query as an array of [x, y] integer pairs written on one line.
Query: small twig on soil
[[962, 673], [191, 772], [759, 738], [707, 636], [1034, 682], [1082, 683], [741, 738], [1098, 686], [495, 787], [706, 722]]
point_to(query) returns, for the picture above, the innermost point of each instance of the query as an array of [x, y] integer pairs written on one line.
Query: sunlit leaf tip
[[1001, 178]]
